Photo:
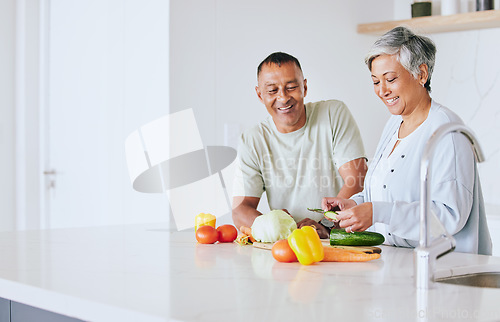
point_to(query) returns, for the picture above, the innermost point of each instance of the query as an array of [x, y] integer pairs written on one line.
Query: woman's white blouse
[[392, 185]]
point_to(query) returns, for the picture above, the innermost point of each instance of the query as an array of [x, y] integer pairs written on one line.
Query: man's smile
[[285, 108]]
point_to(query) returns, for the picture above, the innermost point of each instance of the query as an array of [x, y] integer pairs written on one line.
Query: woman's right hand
[[335, 204]]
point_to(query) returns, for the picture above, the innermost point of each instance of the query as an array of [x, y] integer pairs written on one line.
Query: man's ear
[[259, 94], [305, 87]]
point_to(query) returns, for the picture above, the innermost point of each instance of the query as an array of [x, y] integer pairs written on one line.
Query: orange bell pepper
[[306, 244]]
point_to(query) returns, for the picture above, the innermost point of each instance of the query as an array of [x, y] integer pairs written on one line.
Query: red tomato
[[207, 235], [227, 233], [282, 252]]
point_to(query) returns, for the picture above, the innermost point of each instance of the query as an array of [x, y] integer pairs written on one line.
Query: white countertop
[[147, 273]]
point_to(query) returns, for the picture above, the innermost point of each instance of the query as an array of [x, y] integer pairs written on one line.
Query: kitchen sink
[[483, 279]]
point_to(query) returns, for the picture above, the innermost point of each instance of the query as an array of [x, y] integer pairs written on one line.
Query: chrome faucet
[[427, 253]]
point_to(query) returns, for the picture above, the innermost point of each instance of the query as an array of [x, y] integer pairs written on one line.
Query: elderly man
[[300, 154]]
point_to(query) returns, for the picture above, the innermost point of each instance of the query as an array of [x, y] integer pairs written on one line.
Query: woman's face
[[396, 87]]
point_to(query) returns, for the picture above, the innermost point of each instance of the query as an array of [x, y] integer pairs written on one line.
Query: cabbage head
[[273, 226]]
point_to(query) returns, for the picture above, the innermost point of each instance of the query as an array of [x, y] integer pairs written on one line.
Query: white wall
[[7, 151], [216, 46]]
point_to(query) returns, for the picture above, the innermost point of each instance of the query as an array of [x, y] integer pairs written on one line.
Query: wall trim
[[31, 45], [20, 107]]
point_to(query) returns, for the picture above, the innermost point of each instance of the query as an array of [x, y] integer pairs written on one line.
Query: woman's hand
[[357, 218], [335, 204]]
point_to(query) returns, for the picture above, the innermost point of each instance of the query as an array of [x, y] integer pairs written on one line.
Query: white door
[[107, 73]]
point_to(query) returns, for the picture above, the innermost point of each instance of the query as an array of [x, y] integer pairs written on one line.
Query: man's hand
[[323, 232], [245, 211]]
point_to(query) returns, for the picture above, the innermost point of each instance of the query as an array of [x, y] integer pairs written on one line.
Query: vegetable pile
[[290, 243], [207, 234], [282, 252], [223, 234]]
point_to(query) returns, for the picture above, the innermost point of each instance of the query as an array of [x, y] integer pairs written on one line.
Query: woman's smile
[[392, 101]]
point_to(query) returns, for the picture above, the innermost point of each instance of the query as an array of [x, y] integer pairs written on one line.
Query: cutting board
[[366, 249], [326, 242], [263, 245]]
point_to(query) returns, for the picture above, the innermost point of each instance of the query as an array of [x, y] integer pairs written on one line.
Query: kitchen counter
[[148, 273]]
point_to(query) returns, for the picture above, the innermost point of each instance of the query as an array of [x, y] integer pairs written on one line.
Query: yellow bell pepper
[[306, 244], [204, 220]]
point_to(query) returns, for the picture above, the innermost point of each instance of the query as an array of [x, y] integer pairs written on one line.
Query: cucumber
[[357, 238], [331, 214]]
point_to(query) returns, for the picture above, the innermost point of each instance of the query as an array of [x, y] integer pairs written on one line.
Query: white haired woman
[[401, 65]]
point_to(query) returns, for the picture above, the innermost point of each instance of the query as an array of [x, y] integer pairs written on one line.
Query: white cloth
[[379, 176], [455, 187], [298, 169]]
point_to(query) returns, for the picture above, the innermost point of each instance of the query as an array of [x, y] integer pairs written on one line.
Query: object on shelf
[[421, 9], [482, 5], [450, 7], [437, 24]]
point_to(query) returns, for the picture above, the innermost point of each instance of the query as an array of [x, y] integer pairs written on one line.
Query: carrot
[[242, 240], [247, 231], [333, 254]]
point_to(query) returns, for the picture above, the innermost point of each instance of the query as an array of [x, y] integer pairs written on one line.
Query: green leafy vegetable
[[273, 226]]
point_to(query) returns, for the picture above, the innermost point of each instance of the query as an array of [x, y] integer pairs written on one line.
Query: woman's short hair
[[411, 51]]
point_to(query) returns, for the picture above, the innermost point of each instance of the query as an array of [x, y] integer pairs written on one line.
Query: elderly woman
[[401, 65]]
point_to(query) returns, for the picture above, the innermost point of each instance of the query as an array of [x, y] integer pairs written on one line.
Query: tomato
[[282, 252], [227, 233], [207, 235]]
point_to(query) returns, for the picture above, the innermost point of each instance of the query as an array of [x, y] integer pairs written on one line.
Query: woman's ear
[[424, 74]]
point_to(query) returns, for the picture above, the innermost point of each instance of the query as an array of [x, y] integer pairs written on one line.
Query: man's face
[[282, 90]]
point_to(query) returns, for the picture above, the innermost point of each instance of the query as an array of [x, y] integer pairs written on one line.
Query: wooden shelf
[[436, 24]]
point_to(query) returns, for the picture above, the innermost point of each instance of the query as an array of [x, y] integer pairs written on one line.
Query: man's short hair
[[278, 58]]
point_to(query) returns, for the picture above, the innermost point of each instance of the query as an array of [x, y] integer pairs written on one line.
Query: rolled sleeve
[[358, 198]]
